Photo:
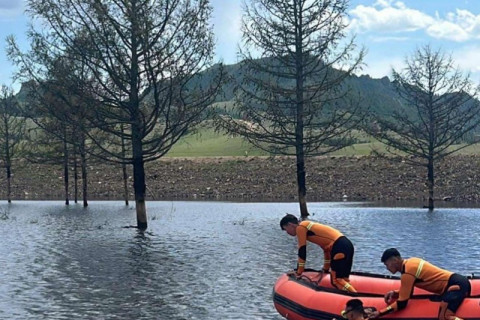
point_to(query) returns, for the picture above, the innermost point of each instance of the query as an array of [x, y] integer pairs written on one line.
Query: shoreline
[[261, 179]]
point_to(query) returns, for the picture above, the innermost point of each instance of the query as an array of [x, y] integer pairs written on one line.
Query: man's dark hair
[[287, 219], [354, 304], [387, 254]]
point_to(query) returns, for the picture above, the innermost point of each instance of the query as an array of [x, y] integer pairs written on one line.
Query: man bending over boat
[[452, 287], [337, 249]]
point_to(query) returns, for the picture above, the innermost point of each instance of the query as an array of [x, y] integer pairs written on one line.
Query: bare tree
[[12, 132], [146, 58], [69, 82], [291, 100], [48, 142], [440, 110], [55, 108]]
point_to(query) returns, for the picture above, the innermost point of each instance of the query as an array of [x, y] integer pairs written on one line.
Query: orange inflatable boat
[[313, 297]]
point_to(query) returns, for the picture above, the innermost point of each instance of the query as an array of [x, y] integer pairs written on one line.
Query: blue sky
[[389, 30]]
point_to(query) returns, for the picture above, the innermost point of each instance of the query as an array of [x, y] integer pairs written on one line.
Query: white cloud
[[389, 38], [448, 30], [386, 16]]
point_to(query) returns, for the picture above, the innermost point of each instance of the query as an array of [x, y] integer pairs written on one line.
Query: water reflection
[[198, 260]]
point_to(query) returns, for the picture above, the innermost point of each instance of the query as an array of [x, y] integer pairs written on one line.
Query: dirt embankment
[[261, 179]]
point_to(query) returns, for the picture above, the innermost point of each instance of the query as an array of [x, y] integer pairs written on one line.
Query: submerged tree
[[56, 108], [48, 145], [291, 100], [146, 59], [444, 109], [12, 132]]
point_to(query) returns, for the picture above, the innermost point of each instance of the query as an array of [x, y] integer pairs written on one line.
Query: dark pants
[[343, 266], [458, 288]]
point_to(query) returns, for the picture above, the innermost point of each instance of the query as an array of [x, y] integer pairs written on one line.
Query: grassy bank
[[208, 143]]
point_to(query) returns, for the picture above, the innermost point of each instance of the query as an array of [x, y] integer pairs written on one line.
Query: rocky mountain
[[378, 95]]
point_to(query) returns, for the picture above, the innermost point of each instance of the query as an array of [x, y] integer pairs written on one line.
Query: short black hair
[[387, 254], [287, 219], [354, 305]]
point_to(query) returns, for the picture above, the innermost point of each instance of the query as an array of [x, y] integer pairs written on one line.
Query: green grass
[[471, 149], [360, 149], [207, 143]]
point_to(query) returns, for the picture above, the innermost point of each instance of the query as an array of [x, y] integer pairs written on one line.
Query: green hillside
[[377, 95], [208, 143]]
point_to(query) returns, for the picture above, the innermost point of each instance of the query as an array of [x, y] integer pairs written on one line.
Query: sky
[[389, 30]]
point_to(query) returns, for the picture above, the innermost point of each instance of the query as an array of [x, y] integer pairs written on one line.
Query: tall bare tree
[[12, 132], [67, 85], [53, 106], [440, 110], [146, 58], [291, 100], [49, 141]]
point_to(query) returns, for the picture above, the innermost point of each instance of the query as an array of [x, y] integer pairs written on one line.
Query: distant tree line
[[122, 82]]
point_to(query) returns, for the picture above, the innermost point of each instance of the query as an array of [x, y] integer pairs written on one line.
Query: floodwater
[[198, 260]]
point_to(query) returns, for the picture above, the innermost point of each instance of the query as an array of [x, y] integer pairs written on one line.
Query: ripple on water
[[199, 260]]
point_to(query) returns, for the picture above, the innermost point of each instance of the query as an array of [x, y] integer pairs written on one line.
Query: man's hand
[[374, 315], [390, 297], [293, 273]]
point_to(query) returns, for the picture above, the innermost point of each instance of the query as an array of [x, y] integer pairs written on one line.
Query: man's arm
[[407, 282]]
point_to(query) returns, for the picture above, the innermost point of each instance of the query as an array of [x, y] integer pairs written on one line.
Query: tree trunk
[[139, 185], [83, 159], [124, 169], [9, 177], [125, 183], [302, 190], [299, 144], [8, 164], [65, 169], [431, 184], [75, 177], [139, 178], [137, 143]]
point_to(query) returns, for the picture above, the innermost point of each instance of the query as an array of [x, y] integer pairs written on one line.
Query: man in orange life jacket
[[452, 287], [334, 244]]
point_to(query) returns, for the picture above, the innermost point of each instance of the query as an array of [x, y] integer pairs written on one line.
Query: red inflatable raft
[[313, 297]]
